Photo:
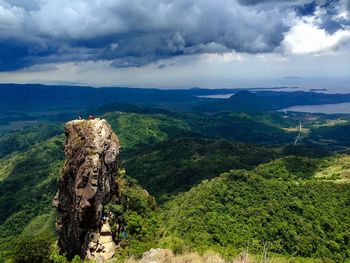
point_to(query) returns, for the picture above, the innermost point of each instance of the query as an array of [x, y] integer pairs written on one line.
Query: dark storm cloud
[[256, 2], [347, 4], [307, 9], [12, 56], [25, 4], [132, 33]]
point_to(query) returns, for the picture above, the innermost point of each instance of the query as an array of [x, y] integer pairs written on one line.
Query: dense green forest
[[222, 181], [280, 204]]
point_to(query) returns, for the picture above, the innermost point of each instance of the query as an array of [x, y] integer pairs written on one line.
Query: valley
[[226, 180]]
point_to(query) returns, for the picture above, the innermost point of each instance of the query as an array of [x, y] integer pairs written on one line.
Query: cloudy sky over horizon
[[176, 43]]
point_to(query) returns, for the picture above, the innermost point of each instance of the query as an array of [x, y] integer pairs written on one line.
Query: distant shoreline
[[313, 90], [336, 108]]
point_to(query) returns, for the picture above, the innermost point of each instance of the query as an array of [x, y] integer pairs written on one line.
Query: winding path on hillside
[[300, 132]]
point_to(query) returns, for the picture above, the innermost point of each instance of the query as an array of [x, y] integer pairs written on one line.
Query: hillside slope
[[176, 165], [278, 205], [169, 153]]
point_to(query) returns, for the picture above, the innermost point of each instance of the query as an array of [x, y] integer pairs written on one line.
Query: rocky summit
[[86, 185]]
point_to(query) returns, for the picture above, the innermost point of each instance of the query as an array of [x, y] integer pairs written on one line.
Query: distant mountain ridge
[[37, 97], [242, 101], [248, 101]]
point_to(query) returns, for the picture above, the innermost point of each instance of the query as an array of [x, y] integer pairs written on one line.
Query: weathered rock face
[[86, 184]]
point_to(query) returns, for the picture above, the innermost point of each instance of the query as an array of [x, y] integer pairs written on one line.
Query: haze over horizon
[[177, 44]]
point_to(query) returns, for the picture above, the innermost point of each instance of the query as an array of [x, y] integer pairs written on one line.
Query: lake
[[343, 108], [216, 96]]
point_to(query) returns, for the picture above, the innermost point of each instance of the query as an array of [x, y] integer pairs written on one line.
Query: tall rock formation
[[86, 184]]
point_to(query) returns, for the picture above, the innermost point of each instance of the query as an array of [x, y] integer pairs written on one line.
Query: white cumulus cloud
[[306, 37]]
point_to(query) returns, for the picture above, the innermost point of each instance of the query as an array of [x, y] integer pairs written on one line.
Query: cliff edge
[[86, 185]]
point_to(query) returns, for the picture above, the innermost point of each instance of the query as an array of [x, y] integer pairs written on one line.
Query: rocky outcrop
[[86, 185]]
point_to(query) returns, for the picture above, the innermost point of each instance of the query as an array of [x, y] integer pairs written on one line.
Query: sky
[[176, 43]]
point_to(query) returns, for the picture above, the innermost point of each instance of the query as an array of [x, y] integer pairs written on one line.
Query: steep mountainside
[[27, 185], [278, 205]]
